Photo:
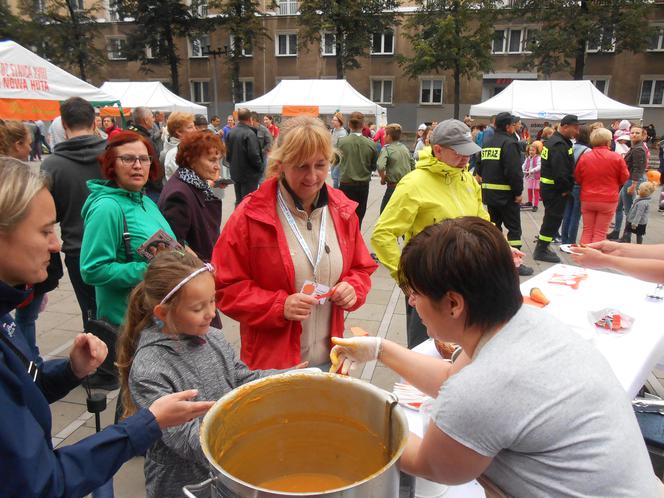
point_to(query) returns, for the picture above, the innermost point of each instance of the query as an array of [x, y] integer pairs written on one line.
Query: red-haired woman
[[115, 206], [187, 202]]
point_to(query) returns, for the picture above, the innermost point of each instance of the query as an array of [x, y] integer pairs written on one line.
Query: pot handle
[[190, 488]]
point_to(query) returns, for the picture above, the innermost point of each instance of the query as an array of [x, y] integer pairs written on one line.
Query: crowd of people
[[139, 210]]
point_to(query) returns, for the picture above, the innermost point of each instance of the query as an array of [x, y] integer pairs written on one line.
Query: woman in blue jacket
[[31, 467]]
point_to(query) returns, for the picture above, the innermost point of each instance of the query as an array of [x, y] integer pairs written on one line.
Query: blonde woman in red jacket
[[287, 246], [601, 173]]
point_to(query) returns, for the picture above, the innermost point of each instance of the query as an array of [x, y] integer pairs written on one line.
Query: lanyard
[[300, 238]]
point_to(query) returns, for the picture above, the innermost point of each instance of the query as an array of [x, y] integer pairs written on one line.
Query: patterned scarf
[[190, 177]]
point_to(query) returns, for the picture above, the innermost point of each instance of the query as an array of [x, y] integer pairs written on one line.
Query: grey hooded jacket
[[166, 364]]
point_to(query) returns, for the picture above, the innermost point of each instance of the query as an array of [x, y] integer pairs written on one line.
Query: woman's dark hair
[[584, 135], [107, 159], [469, 256]]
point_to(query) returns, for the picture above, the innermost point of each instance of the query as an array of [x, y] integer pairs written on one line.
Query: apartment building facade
[[634, 79]]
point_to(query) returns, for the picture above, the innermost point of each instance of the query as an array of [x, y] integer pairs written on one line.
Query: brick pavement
[[383, 314]]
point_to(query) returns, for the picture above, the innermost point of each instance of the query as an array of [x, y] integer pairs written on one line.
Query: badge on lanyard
[[303, 243]]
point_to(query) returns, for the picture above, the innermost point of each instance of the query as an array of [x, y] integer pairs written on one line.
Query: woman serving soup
[[529, 404]]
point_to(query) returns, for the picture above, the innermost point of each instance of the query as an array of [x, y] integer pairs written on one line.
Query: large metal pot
[[305, 434]]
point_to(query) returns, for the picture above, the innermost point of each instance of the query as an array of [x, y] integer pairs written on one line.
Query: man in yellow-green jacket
[[439, 188]]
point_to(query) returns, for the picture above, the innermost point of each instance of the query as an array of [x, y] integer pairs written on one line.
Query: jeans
[[85, 294], [572, 216], [336, 175], [626, 201], [386, 198], [360, 194], [25, 320]]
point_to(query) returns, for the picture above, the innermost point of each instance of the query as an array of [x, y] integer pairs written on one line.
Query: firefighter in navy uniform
[[502, 181], [556, 184]]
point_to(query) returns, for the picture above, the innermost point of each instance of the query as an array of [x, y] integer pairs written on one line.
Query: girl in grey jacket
[[637, 218], [167, 345]]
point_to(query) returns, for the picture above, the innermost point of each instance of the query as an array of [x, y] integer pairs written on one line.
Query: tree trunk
[[339, 49], [457, 63], [235, 80], [580, 58], [172, 60], [457, 89], [78, 41]]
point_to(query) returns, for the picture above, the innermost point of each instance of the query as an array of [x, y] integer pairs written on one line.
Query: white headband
[[207, 267]]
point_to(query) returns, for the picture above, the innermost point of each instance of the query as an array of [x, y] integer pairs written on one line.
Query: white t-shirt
[[545, 404]]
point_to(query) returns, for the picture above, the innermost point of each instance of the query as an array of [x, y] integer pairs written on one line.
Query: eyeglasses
[[128, 160]]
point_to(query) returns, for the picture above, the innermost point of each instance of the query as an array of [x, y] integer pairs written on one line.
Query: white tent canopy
[[32, 87], [553, 99], [151, 94], [329, 96]]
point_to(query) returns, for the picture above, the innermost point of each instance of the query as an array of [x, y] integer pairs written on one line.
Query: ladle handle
[[190, 488]]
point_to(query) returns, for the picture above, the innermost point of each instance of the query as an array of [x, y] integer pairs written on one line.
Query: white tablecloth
[[633, 355]]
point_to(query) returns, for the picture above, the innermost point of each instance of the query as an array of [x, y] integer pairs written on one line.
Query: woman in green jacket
[[107, 262]]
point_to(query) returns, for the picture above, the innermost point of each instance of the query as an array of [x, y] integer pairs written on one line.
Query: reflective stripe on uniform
[[515, 243], [545, 153], [570, 151], [548, 181], [496, 186], [491, 153], [544, 238]]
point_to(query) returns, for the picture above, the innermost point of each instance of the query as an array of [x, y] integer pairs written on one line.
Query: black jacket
[[244, 154], [71, 165], [502, 177], [557, 166]]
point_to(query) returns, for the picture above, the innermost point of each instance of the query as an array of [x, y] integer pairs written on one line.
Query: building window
[[596, 45], [287, 44], [247, 89], [288, 7], [328, 44], [112, 10], [511, 41], [652, 92], [381, 91], [431, 91], [245, 50], [198, 46], [117, 49], [39, 6], [657, 41], [382, 43], [77, 4], [602, 85], [200, 92], [200, 8]]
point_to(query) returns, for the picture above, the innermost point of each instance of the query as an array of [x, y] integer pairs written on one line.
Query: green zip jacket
[[433, 192], [103, 260]]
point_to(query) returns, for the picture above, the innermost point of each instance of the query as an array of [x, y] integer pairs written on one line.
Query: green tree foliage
[[62, 31], [352, 22], [566, 27], [451, 35], [242, 21], [11, 26], [158, 25]]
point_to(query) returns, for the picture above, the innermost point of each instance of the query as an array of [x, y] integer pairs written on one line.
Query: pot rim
[[240, 391]]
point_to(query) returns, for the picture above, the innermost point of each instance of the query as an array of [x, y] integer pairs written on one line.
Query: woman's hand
[[87, 353], [589, 257], [176, 409], [347, 353], [298, 306], [517, 256], [344, 295], [631, 189], [607, 247]]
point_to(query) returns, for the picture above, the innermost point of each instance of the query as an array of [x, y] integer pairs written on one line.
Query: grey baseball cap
[[456, 135]]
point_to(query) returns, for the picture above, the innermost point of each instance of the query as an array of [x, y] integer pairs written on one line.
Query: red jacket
[[255, 274], [601, 173]]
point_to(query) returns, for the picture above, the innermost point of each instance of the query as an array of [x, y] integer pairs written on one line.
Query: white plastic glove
[[348, 353]]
